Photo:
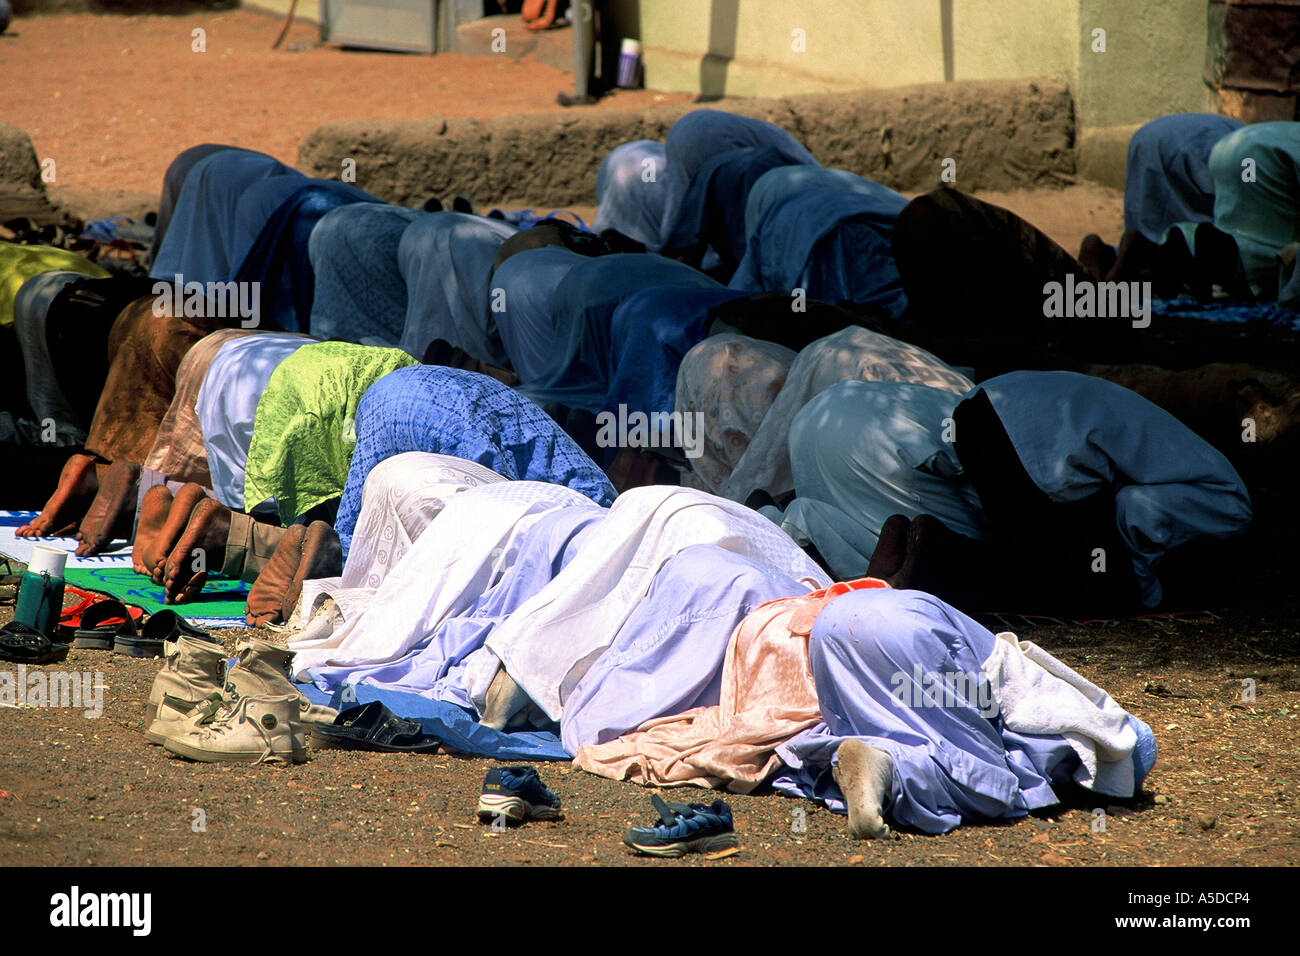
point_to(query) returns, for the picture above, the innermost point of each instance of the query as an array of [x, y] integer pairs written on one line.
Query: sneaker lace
[[268, 755]]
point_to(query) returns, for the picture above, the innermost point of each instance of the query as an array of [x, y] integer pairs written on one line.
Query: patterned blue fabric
[[360, 292], [226, 201], [580, 363], [1268, 313], [452, 412], [279, 260], [1167, 177], [833, 243]]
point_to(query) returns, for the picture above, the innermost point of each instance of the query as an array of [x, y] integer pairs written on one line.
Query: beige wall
[[1152, 65]]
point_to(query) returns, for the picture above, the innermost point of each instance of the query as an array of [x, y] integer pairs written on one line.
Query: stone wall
[[1002, 134]]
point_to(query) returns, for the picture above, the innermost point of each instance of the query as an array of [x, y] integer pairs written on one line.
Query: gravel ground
[[1225, 791]]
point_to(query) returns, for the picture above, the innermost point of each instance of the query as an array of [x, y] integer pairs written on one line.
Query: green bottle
[[40, 593]]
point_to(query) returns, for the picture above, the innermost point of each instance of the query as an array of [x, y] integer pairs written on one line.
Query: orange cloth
[[768, 696]]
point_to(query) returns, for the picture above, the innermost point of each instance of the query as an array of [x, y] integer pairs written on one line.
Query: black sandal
[[373, 726], [96, 633], [23, 644], [164, 626]]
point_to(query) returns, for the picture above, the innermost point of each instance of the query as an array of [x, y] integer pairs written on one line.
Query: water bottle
[[40, 593], [629, 65]]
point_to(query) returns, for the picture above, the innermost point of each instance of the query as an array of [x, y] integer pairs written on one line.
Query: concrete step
[[551, 47]]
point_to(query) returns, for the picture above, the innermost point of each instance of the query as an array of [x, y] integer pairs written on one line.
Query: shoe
[[253, 730], [682, 829], [160, 630], [176, 717], [101, 626], [193, 670], [517, 793], [263, 669]]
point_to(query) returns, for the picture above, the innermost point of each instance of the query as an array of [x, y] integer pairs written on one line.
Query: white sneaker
[[254, 730]]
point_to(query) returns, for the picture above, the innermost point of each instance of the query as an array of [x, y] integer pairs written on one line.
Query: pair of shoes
[[516, 794], [102, 624], [161, 629], [194, 674], [686, 828]]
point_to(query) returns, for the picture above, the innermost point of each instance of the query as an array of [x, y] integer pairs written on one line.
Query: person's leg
[[199, 550], [112, 513], [899, 673], [266, 596], [78, 483], [154, 507], [156, 550]]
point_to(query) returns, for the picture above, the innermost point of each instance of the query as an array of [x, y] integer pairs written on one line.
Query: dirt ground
[[1225, 789], [114, 99]]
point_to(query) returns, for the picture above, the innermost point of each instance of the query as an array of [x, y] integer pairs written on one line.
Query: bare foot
[[153, 515], [178, 516], [864, 774], [112, 512], [200, 548], [78, 483], [322, 557], [1097, 256], [266, 596]]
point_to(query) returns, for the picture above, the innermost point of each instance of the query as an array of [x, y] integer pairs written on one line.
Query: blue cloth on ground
[[832, 243], [630, 194], [650, 332], [952, 762], [579, 366], [446, 259], [454, 726], [220, 213], [1167, 175], [1266, 313], [452, 412], [526, 218], [524, 285], [360, 293], [279, 259], [1077, 435]]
